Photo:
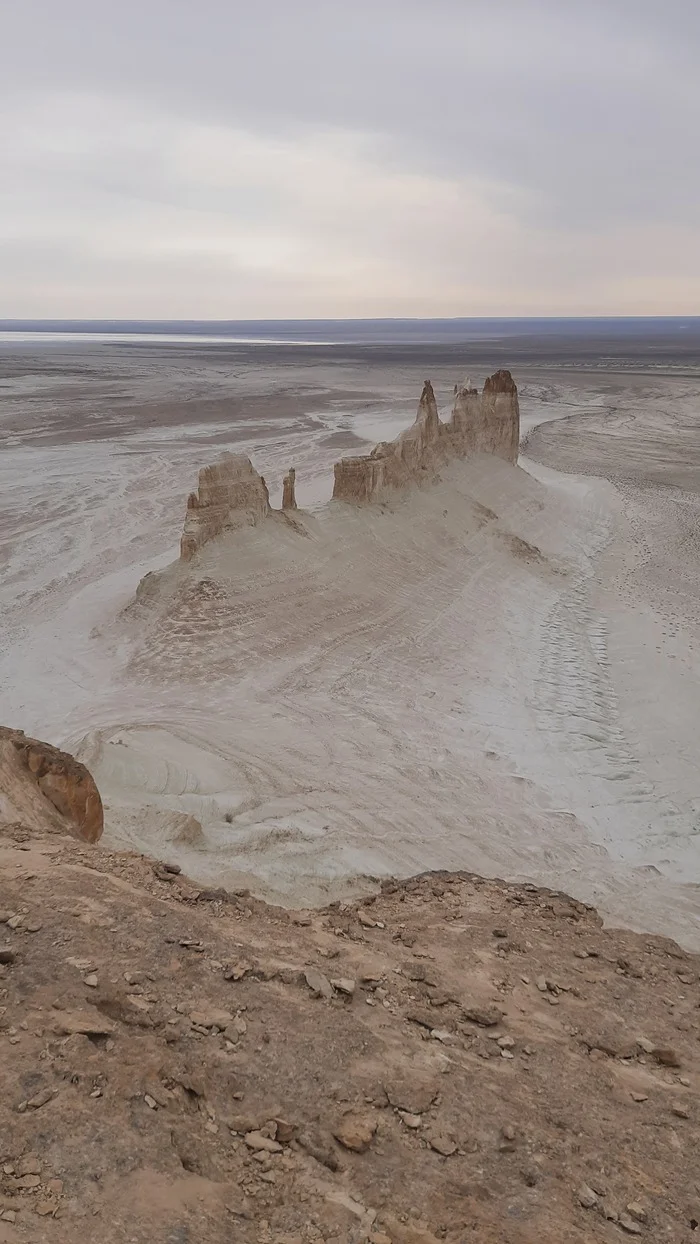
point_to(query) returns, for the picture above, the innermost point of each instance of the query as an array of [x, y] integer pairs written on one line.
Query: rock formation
[[45, 788], [480, 423], [231, 494], [289, 501]]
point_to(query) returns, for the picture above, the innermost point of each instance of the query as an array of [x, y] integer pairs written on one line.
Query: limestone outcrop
[[487, 422], [44, 788], [289, 501], [230, 494]]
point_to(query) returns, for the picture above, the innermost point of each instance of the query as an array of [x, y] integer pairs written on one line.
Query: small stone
[[366, 920], [629, 1225], [89, 1023], [587, 1197], [530, 1176], [500, 933], [40, 1099], [541, 983], [508, 1132], [236, 971], [645, 1045], [680, 1111], [684, 1081], [14, 922], [355, 1131], [411, 1120], [211, 1017], [506, 1043], [319, 984], [667, 1057], [44, 1208], [150, 1102], [637, 1211], [8, 1215], [443, 1145], [484, 1016], [91, 981], [34, 926], [284, 1131], [639, 1096], [29, 1181], [7, 954], [29, 1165], [346, 986], [261, 1144]]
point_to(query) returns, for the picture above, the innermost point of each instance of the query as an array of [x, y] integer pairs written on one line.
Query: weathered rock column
[[289, 501]]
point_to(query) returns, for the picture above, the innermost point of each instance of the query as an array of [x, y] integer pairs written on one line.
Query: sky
[[342, 158]]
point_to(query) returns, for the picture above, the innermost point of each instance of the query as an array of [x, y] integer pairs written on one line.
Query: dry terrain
[[449, 1059]]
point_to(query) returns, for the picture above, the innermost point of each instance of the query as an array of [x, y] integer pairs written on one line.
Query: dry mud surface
[[454, 1059]]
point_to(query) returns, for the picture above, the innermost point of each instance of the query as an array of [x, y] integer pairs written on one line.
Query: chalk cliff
[[487, 422], [46, 789], [231, 493]]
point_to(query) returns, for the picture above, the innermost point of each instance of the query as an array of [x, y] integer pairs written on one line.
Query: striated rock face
[[45, 788], [480, 423], [231, 494], [289, 501]]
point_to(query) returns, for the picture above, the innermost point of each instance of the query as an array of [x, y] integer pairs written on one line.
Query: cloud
[[381, 158]]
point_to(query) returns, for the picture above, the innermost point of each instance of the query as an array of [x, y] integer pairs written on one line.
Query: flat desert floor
[[497, 673]]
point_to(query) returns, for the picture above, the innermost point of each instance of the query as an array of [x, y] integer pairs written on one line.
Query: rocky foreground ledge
[[454, 1059]]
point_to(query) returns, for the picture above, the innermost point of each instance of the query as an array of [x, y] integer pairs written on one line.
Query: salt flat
[[498, 672]]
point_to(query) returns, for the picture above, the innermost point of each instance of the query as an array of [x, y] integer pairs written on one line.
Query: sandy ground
[[412, 689]]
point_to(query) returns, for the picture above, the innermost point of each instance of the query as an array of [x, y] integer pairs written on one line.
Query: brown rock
[[629, 1225], [47, 789], [484, 1016], [285, 1131], [29, 1165], [40, 1099], [412, 1093], [355, 1131], [666, 1056], [318, 983], [442, 1145], [211, 1017], [261, 1144]]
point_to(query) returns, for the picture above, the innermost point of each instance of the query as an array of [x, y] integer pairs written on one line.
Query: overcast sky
[[214, 158]]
